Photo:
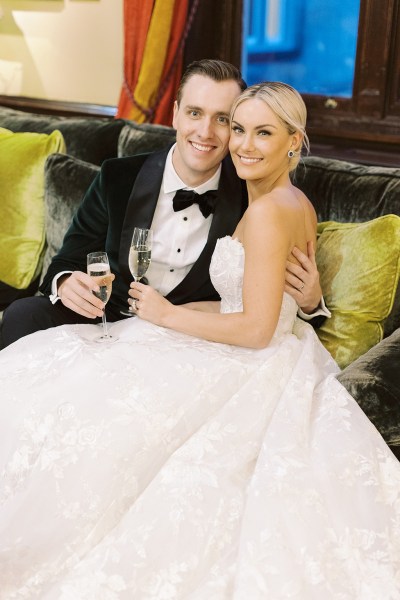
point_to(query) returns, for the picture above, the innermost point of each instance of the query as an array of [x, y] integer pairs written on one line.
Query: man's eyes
[[223, 120]]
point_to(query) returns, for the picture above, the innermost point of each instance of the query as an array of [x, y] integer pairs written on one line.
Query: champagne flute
[[98, 268], [139, 257]]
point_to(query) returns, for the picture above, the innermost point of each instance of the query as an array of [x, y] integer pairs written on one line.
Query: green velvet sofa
[[358, 250]]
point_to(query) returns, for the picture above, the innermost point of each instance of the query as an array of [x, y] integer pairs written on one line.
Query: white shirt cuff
[[54, 292], [321, 310]]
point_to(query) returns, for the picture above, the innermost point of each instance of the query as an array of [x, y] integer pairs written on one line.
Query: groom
[[143, 191]]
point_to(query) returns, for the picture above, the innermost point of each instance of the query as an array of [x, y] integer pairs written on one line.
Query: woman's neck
[[261, 187]]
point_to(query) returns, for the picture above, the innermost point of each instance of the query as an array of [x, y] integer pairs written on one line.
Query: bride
[[205, 455]]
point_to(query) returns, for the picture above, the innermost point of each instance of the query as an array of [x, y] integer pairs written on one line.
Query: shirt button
[[171, 270], [178, 250], [185, 218]]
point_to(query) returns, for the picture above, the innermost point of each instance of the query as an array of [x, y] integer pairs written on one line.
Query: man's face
[[202, 127]]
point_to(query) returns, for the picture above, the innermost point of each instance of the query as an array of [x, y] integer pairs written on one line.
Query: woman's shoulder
[[287, 206], [281, 200]]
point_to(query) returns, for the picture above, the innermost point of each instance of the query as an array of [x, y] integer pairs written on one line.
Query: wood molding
[[57, 107]]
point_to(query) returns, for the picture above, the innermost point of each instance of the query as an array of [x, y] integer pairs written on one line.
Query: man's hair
[[218, 70]]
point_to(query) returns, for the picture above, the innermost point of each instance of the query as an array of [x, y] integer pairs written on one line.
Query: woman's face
[[259, 142]]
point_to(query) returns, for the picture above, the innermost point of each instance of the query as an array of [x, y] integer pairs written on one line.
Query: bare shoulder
[[281, 203], [279, 213], [268, 215], [270, 205]]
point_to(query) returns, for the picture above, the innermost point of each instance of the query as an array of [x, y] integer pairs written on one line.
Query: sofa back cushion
[[87, 138], [346, 192], [67, 180], [140, 138]]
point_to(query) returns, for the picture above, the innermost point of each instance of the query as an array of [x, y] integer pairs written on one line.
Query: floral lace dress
[[163, 467]]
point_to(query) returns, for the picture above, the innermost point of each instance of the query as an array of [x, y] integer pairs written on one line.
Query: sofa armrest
[[374, 382]]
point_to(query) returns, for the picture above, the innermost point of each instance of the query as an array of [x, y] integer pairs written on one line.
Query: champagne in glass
[[98, 268], [139, 257]]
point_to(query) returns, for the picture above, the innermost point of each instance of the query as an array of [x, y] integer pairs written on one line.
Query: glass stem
[[103, 317]]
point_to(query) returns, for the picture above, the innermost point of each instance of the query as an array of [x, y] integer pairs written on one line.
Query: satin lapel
[[229, 209], [141, 204]]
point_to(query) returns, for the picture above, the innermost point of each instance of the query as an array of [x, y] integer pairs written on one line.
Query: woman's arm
[[267, 244], [207, 306]]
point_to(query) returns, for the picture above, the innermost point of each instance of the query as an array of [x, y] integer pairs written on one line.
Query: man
[[141, 191]]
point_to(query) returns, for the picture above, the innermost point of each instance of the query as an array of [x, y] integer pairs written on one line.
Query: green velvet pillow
[[359, 265], [22, 235]]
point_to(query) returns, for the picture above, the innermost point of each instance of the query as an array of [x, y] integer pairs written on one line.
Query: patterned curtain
[[155, 32]]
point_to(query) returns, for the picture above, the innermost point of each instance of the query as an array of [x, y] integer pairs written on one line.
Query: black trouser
[[28, 315]]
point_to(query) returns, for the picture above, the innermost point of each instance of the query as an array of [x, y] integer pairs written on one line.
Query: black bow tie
[[185, 198]]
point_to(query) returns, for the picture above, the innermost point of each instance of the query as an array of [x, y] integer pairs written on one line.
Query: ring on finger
[[302, 286]]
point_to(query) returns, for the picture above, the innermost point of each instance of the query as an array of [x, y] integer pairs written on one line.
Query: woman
[[166, 466]]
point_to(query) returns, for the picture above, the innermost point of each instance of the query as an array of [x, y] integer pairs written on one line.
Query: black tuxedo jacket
[[123, 196]]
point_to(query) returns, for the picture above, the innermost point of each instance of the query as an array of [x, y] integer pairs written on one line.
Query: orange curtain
[[154, 40], [137, 15]]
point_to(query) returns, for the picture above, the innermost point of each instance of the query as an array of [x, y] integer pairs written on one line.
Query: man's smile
[[202, 147]]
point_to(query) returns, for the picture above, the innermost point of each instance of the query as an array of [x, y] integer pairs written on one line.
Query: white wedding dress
[[163, 467]]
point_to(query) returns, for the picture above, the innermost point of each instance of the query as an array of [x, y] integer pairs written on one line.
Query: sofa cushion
[[359, 265], [22, 235], [374, 382], [88, 138], [67, 180], [138, 138], [347, 192]]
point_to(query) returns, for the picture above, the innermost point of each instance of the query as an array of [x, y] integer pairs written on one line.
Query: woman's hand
[[148, 304]]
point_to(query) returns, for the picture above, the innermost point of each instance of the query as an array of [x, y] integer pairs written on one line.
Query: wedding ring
[[134, 305], [301, 287]]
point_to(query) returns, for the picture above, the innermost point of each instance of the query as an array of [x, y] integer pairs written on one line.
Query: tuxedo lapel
[[141, 204], [230, 205]]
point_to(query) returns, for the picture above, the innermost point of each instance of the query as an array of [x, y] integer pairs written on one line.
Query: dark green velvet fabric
[[87, 138], [374, 381], [66, 181], [346, 192], [138, 138]]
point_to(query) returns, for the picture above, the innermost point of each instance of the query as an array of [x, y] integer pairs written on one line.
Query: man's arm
[[302, 283], [96, 226]]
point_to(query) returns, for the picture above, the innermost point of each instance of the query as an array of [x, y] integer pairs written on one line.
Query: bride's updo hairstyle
[[287, 104]]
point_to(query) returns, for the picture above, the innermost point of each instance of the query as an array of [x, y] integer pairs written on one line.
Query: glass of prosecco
[[139, 257], [98, 268]]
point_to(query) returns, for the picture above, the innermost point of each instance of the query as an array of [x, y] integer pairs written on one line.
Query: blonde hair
[[288, 106]]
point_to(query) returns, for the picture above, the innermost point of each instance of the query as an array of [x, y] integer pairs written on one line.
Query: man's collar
[[172, 182]]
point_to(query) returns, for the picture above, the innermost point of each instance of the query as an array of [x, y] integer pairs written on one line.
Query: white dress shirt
[[179, 237]]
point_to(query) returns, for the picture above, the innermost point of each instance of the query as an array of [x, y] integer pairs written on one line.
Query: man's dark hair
[[218, 70]]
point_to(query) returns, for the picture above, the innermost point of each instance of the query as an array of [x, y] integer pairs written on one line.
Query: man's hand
[[302, 281], [76, 293]]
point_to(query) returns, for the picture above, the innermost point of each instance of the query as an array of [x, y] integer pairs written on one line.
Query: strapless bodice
[[226, 272]]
